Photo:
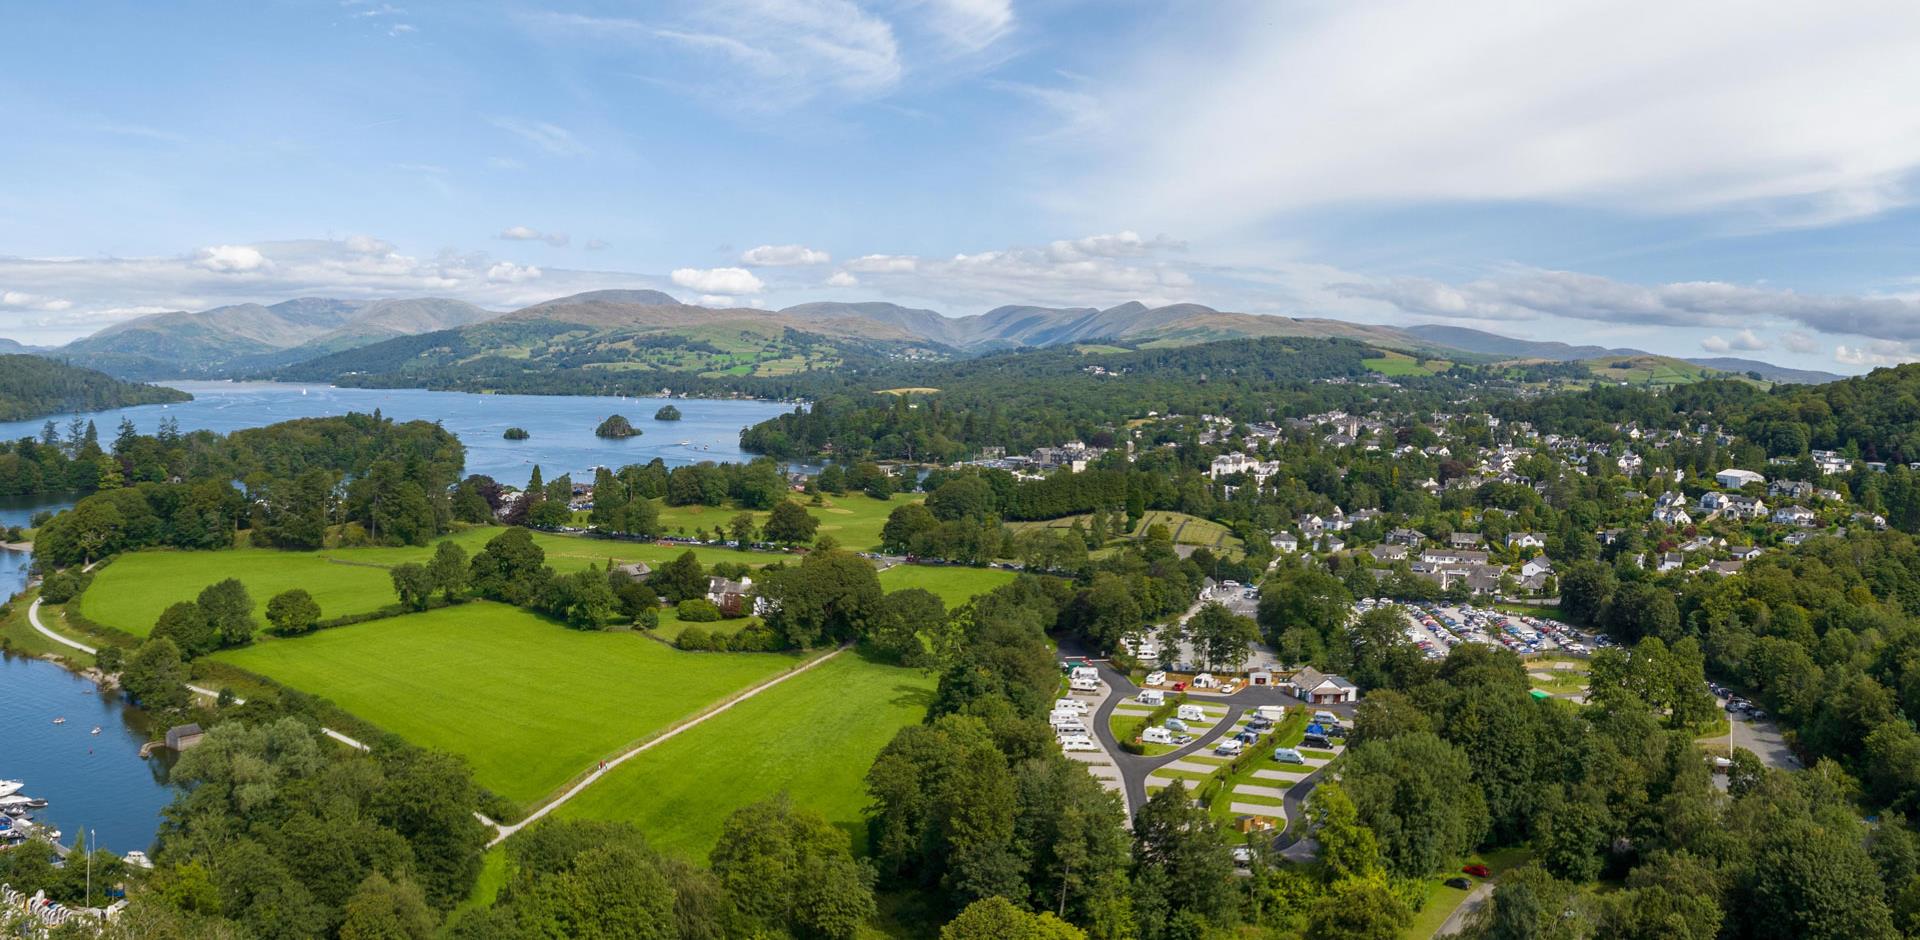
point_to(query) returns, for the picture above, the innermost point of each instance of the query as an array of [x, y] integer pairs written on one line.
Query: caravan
[[1087, 684], [1070, 705], [1191, 713], [1156, 736], [1153, 697]]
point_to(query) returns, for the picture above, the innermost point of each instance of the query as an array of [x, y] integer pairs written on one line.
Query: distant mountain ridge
[[1480, 341], [602, 328]]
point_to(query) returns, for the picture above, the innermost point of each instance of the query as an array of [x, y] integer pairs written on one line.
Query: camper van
[[1086, 672], [1191, 713], [1326, 718], [1205, 680], [1152, 697], [1228, 748], [1156, 677], [1157, 736]]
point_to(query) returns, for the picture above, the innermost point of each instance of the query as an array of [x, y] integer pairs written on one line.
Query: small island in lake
[[516, 434], [616, 426], [667, 413]]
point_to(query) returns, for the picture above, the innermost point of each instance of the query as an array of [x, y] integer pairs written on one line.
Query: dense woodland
[[31, 386]]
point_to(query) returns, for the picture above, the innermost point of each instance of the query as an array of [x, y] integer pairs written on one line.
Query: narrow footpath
[[503, 831], [33, 618]]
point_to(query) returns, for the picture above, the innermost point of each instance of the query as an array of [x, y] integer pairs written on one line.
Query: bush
[[698, 610], [110, 659], [60, 587], [692, 638], [647, 618]]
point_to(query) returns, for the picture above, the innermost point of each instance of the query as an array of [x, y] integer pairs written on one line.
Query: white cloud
[[595, 244], [68, 297], [970, 25], [233, 259], [1799, 342], [718, 280], [20, 300], [1776, 106], [1744, 341], [1875, 354], [1531, 293], [506, 272], [748, 54], [523, 233], [1124, 244], [883, 264], [842, 279], [551, 138], [773, 256]]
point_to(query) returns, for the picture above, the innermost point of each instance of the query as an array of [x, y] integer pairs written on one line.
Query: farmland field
[[1185, 529], [1392, 364], [529, 703], [953, 585], [813, 736], [130, 593], [855, 520]]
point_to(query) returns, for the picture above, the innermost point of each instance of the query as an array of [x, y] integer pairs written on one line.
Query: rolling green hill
[[31, 386]]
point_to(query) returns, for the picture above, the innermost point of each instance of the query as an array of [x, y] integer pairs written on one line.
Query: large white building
[[1734, 479]]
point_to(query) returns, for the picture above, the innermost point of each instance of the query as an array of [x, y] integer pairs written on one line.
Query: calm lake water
[[99, 781], [561, 426], [90, 781]]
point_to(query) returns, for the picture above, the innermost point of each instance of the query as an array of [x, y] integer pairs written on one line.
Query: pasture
[[813, 736], [130, 593], [854, 519], [953, 585], [529, 703]]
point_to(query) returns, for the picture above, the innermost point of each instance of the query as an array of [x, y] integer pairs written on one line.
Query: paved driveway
[[1764, 739]]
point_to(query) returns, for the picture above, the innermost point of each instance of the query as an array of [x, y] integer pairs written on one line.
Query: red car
[[1477, 871], [1179, 686]]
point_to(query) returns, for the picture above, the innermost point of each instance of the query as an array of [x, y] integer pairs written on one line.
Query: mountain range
[[625, 330]]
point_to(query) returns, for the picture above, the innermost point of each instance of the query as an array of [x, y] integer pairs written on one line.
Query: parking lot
[[1436, 628]]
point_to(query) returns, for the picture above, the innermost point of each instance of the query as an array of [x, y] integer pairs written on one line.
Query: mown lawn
[[854, 520], [1442, 901], [130, 593], [813, 736], [952, 584], [528, 702]]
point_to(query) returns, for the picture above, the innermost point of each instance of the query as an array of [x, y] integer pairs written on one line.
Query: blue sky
[[1727, 177]]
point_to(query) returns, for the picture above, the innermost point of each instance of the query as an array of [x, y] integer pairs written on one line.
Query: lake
[[561, 426], [93, 781]]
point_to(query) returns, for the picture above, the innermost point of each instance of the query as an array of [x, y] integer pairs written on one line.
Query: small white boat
[[96, 730], [59, 721], [10, 787], [138, 859]]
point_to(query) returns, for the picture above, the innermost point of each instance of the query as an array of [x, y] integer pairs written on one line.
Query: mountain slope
[[31, 386], [1480, 341], [243, 338]]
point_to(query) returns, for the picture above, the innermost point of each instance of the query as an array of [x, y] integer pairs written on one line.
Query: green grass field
[[953, 585], [1185, 529], [1393, 364], [813, 736], [529, 703], [130, 593], [855, 520]]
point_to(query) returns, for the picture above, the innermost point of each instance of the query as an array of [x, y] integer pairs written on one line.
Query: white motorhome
[[1157, 736], [1152, 697], [1191, 713]]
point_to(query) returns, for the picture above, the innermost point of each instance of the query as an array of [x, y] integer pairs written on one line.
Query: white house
[[1526, 540], [1672, 515], [1536, 566], [1285, 542], [1793, 515], [1733, 478], [1317, 688]]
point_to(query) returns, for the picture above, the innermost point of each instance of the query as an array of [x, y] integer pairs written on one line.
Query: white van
[[1156, 678], [1326, 718], [1191, 713], [1152, 697]]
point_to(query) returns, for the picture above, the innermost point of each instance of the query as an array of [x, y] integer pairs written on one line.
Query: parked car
[[1477, 871], [1460, 883]]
